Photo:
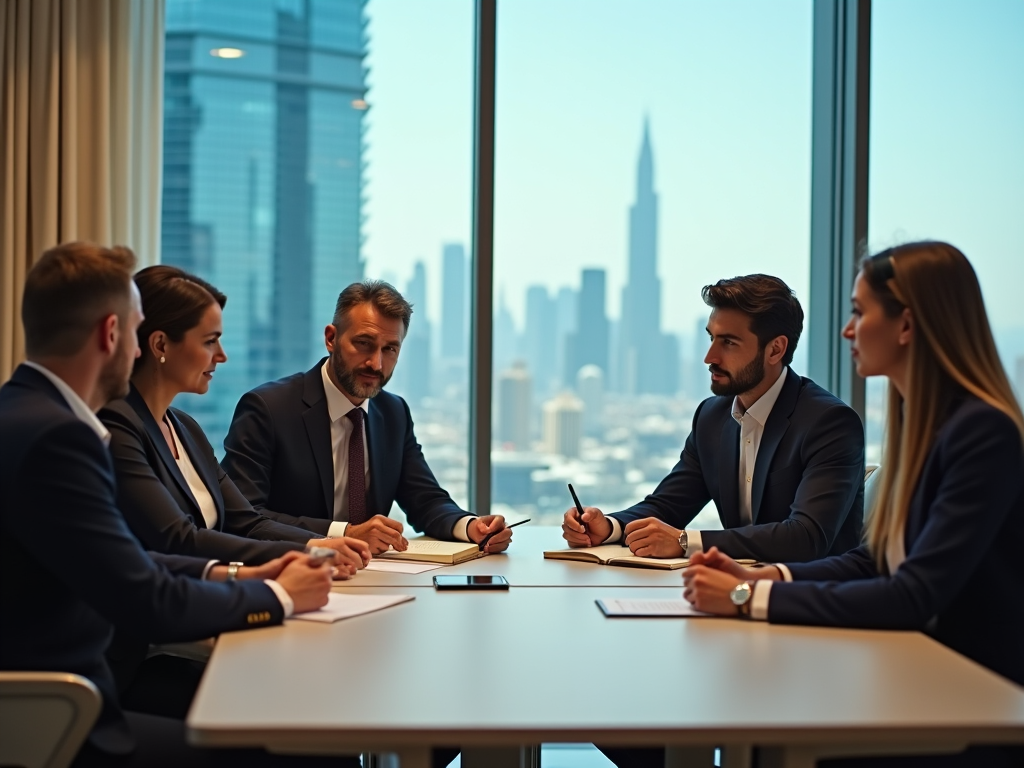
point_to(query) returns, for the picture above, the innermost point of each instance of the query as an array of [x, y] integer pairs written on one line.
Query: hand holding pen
[[492, 534], [584, 533]]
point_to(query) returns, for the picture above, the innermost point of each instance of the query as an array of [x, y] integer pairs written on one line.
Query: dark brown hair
[[770, 304], [70, 289], [173, 301], [385, 298]]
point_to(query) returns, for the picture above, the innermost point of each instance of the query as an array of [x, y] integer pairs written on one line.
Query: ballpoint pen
[[489, 535], [579, 507]]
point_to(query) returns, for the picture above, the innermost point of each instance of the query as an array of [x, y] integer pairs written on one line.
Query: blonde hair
[[952, 350]]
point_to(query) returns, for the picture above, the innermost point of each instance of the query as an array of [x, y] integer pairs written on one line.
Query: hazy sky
[[727, 88]]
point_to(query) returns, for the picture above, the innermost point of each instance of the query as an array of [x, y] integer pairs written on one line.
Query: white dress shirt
[[338, 406], [82, 410], [199, 490], [751, 422]]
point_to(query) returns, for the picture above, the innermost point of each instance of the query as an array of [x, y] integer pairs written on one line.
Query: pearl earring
[[163, 359]]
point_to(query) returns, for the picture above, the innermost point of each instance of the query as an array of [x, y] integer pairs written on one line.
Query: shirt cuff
[[616, 534], [461, 529], [759, 600], [694, 543], [282, 595], [206, 570], [336, 529], [787, 575]]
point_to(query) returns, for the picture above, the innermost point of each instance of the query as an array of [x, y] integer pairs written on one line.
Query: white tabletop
[[544, 665], [523, 564]]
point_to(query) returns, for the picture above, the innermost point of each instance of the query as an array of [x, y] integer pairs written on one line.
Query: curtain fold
[[80, 136]]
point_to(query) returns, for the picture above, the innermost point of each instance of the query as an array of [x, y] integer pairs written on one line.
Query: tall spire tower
[[644, 367]]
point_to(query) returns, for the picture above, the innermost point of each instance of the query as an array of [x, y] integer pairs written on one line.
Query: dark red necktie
[[356, 470]]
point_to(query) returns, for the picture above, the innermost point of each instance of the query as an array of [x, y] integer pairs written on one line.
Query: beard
[[347, 378], [113, 382], [745, 380]]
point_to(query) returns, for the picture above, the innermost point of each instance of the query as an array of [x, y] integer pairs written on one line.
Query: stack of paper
[[341, 605]]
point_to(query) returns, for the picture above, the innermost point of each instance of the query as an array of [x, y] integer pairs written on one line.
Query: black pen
[[488, 536], [579, 507]]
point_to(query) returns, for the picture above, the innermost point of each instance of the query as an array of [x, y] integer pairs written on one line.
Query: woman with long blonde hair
[[943, 541]]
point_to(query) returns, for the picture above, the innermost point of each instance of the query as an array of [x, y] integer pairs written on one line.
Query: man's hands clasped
[[350, 554]]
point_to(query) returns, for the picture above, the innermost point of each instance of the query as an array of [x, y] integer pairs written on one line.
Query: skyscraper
[[538, 339], [648, 358], [563, 425], [263, 174], [412, 374], [514, 417], [589, 345]]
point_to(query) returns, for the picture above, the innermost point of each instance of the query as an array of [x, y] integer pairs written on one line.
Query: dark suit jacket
[[962, 581], [807, 495], [70, 570], [160, 509], [278, 452]]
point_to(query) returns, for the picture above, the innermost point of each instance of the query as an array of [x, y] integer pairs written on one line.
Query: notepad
[[616, 554], [342, 605], [615, 607], [394, 566], [427, 550]]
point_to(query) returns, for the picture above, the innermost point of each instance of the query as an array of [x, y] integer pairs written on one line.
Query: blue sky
[[727, 89]]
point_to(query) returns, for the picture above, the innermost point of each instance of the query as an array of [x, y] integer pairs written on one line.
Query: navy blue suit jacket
[[807, 495], [278, 452], [961, 582], [155, 499], [70, 570]]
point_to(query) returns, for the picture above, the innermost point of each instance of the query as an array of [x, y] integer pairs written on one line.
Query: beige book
[[427, 550], [616, 554]]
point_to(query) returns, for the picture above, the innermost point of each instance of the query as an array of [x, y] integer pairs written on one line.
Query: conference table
[[497, 673]]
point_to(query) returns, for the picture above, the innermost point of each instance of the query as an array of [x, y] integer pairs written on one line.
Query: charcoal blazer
[[155, 499], [278, 452], [807, 494], [961, 581], [71, 570]]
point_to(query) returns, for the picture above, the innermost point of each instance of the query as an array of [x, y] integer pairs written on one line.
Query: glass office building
[[263, 175]]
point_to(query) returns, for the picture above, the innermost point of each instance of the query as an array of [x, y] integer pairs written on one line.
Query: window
[[642, 151]]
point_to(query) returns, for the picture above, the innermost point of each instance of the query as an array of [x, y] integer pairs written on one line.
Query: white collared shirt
[[338, 407], [751, 423], [78, 406], [199, 490]]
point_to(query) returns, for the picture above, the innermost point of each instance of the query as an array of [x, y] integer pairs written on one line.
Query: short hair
[[173, 301], [70, 289], [385, 298], [771, 305]]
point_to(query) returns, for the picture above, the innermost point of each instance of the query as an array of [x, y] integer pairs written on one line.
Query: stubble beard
[[351, 385], [745, 380]]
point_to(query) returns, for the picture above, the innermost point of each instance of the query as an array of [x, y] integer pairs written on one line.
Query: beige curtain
[[80, 136]]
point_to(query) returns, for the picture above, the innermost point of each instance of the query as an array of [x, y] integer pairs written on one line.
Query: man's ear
[[906, 327], [776, 350], [109, 333], [330, 336]]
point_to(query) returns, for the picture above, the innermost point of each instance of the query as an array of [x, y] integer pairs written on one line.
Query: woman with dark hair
[[171, 489], [945, 535]]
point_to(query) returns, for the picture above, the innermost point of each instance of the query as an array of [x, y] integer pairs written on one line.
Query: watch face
[[740, 594]]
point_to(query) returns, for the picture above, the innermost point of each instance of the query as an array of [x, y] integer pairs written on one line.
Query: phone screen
[[471, 582]]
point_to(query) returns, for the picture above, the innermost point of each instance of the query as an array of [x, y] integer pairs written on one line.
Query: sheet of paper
[[394, 566], [614, 606], [341, 605], [435, 547]]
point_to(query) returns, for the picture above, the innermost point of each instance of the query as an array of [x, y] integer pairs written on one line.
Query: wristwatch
[[233, 570], [740, 597], [683, 542]]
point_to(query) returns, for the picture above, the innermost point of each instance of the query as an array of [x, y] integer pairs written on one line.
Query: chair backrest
[[45, 717], [871, 476]]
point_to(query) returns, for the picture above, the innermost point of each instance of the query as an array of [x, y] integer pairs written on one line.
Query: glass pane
[[947, 157], [310, 144], [644, 150]]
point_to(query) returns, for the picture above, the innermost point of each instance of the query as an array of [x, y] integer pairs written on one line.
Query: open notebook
[[427, 550], [616, 554]]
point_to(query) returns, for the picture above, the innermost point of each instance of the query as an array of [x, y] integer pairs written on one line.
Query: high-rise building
[[589, 345], [649, 359], [412, 374], [590, 387], [566, 317], [263, 172], [455, 295], [538, 341], [514, 417], [506, 340], [563, 425]]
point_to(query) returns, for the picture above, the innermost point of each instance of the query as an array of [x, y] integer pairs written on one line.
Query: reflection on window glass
[[644, 150], [947, 159]]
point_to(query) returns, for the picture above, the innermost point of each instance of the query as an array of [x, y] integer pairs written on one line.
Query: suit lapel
[[374, 429], [163, 451], [318, 429], [210, 480], [729, 471], [778, 423]]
